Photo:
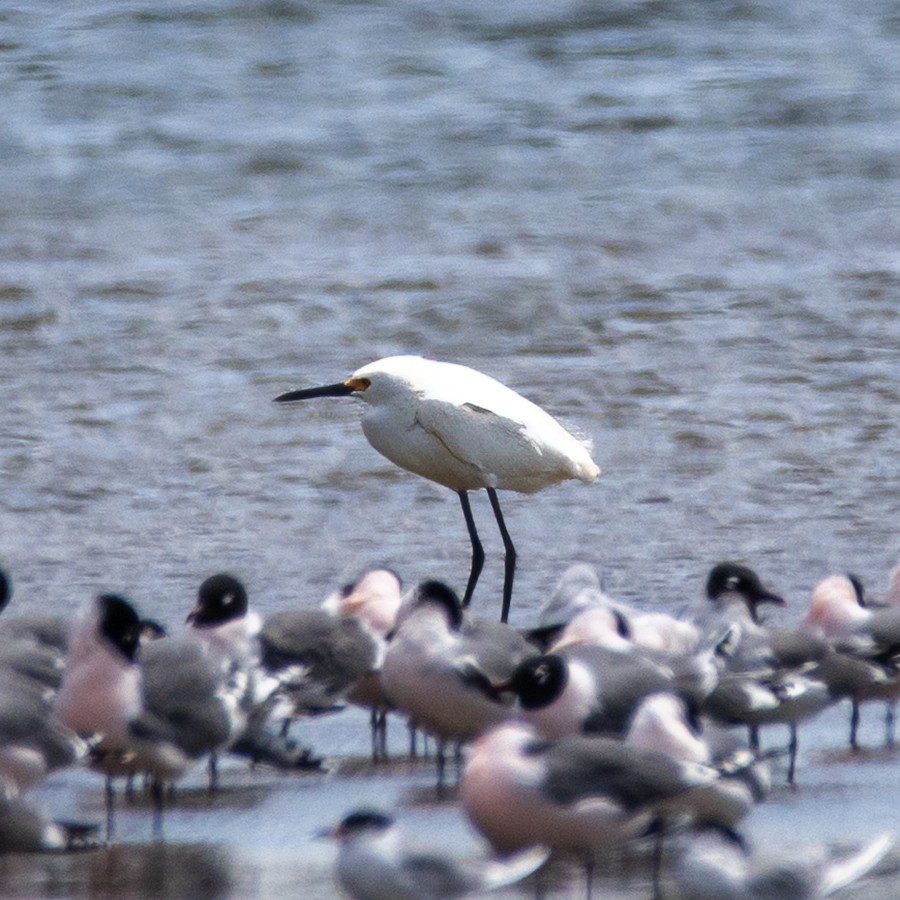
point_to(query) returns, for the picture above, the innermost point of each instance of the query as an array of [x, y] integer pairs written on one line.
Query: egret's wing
[[501, 449], [473, 433]]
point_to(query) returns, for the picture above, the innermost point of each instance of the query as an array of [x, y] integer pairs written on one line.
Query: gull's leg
[[477, 549], [792, 754], [509, 568]]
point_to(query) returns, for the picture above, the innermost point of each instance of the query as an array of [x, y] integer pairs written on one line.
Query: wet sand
[[256, 836]]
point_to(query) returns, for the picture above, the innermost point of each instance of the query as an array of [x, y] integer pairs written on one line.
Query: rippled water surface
[[676, 225]]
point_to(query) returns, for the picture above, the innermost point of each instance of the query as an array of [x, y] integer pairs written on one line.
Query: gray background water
[[674, 224]]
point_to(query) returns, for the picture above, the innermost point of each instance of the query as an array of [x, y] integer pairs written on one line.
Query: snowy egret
[[464, 430]]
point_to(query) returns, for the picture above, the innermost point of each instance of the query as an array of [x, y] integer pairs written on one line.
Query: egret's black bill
[[326, 390]]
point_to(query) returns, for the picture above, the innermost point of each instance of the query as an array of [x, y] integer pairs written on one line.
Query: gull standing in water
[[465, 430], [447, 673]]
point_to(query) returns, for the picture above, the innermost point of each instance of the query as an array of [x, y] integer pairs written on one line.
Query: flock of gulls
[[601, 728]]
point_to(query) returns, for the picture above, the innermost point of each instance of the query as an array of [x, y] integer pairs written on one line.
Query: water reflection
[[162, 870]]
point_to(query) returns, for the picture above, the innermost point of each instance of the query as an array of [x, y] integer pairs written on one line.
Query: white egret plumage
[[464, 430]]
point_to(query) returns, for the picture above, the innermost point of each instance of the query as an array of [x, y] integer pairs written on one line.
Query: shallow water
[[674, 225], [257, 835]]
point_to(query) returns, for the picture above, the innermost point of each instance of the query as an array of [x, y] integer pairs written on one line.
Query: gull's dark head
[[220, 599], [734, 578]]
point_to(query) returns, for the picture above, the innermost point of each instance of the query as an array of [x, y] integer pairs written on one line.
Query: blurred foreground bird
[[715, 869], [374, 864], [24, 829], [464, 430]]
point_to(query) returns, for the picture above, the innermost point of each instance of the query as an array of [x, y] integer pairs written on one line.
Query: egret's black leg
[[477, 549], [509, 568]]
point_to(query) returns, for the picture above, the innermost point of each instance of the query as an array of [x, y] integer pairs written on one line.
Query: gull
[[101, 687], [714, 869], [222, 622], [771, 675], [374, 863], [839, 611], [32, 659], [101, 690], [579, 588], [222, 619], [40, 630], [445, 672], [865, 642], [374, 599], [589, 689], [306, 659], [660, 722], [192, 701], [32, 742], [155, 712], [585, 795], [734, 591], [579, 612], [463, 430]]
